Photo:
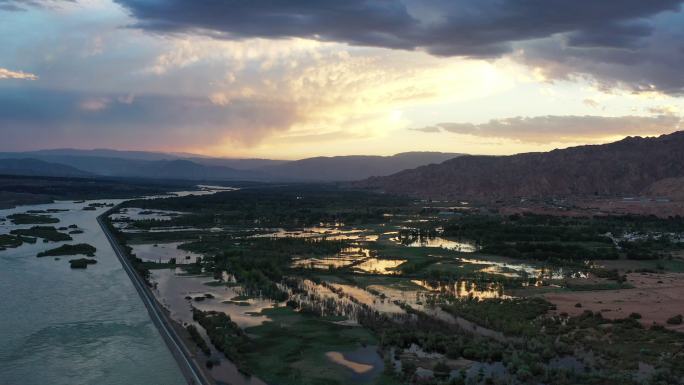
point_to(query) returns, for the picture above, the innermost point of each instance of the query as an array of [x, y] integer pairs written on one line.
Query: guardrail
[[189, 367]]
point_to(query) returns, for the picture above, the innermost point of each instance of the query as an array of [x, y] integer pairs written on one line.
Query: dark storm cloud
[[443, 27], [35, 118], [563, 36], [654, 64], [380, 23]]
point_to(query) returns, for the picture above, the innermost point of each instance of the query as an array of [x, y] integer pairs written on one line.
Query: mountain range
[[35, 167], [631, 166], [157, 165]]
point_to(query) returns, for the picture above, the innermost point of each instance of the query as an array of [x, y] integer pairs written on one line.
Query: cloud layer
[[563, 129], [559, 36], [64, 119], [454, 27], [333, 77]]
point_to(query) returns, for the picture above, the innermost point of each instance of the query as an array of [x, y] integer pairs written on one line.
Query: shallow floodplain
[[437, 301]]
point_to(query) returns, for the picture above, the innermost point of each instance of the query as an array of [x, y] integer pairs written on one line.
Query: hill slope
[[35, 167], [625, 167], [99, 165], [353, 167], [670, 187]]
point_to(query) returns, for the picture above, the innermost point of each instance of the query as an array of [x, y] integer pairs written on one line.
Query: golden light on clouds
[[8, 74], [203, 89], [351, 94]]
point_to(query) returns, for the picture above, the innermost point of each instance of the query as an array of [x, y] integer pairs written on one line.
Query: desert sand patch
[[656, 297], [356, 367]]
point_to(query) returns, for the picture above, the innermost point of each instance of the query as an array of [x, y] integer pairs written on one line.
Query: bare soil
[[656, 297]]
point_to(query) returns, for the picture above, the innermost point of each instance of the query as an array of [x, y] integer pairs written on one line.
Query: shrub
[[81, 263], [675, 320]]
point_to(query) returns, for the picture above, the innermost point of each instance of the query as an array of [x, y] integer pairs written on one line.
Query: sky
[[301, 78]]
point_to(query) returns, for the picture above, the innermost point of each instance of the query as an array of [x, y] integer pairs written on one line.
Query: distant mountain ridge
[[103, 152], [35, 167], [354, 167], [240, 164], [629, 166], [140, 164]]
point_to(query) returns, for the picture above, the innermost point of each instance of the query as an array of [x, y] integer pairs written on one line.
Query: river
[[68, 326]]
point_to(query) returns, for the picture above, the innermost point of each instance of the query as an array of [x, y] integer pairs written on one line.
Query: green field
[[290, 349]]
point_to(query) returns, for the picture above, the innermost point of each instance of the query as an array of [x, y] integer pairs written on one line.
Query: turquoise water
[[63, 326]]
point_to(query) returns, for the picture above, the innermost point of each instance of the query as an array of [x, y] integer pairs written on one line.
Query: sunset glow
[[107, 75]]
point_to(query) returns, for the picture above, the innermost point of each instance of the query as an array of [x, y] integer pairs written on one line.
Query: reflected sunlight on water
[[462, 289], [380, 266]]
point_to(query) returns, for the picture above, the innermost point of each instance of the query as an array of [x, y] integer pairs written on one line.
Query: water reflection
[[164, 252], [137, 214], [464, 289], [379, 266], [333, 233], [438, 242], [373, 300], [347, 257], [515, 269]]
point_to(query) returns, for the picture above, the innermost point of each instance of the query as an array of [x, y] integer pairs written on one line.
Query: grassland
[[291, 349]]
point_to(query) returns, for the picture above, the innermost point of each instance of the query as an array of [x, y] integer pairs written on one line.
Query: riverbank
[[186, 361]]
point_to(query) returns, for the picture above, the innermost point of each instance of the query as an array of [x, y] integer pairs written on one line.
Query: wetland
[[311, 284]]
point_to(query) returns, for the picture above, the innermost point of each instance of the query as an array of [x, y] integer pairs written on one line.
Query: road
[[191, 370]]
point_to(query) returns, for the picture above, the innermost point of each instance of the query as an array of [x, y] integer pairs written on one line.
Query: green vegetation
[[649, 248], [225, 335], [437, 306], [197, 339], [622, 344], [566, 238], [46, 232], [22, 190], [511, 316], [274, 207], [141, 267], [31, 219], [290, 349], [259, 263], [81, 263], [80, 248], [9, 241]]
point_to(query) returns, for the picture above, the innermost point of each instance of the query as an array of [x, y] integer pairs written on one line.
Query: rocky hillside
[[672, 188], [626, 167]]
